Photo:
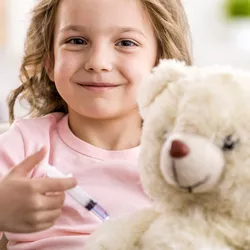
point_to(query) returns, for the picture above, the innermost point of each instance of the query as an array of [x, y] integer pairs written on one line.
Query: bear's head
[[195, 144]]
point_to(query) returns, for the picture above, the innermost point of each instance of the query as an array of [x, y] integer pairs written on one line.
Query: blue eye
[[77, 41], [127, 43]]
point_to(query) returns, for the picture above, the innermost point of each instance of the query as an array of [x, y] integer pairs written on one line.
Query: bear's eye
[[229, 143]]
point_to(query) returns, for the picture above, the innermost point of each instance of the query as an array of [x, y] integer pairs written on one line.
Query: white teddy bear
[[194, 163]]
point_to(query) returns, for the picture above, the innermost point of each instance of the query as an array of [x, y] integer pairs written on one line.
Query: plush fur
[[194, 163]]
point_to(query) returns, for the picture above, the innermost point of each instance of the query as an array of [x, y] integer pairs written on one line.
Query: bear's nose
[[178, 149]]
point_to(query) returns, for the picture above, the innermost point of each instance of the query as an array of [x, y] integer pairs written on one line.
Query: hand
[[31, 205]]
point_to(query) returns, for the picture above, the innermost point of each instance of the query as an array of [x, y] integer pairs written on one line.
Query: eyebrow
[[73, 28], [119, 29]]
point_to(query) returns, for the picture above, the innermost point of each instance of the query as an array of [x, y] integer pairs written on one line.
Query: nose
[[98, 60], [178, 149]]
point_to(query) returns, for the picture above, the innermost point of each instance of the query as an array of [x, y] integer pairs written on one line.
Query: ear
[[167, 71], [49, 67]]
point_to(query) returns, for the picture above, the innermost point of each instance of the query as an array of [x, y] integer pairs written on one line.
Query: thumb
[[28, 164]]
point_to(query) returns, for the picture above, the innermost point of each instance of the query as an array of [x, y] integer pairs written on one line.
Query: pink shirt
[[110, 177]]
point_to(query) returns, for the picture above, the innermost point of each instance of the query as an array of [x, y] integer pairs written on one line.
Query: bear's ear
[[167, 71]]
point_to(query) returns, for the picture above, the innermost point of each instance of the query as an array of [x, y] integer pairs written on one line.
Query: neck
[[110, 134]]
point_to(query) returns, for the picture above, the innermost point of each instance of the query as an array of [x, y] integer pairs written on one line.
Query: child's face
[[102, 49]]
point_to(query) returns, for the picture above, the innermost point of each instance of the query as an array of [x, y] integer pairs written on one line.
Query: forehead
[[220, 89], [102, 15], [214, 99]]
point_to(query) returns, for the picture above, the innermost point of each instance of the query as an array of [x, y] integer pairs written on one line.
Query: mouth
[[97, 87], [197, 184], [187, 188]]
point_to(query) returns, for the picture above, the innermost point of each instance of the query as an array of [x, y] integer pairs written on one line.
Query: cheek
[[137, 74], [137, 66], [65, 65]]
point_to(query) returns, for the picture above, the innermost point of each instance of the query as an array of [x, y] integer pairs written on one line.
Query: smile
[[191, 187], [97, 87]]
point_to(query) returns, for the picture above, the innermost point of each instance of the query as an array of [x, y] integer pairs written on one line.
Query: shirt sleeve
[[11, 149]]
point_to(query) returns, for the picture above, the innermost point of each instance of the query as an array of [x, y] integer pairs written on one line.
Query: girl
[[84, 60]]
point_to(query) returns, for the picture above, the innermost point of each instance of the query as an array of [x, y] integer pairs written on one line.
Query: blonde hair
[[171, 29]]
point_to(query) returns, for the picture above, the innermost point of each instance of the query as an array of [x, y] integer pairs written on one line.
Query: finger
[[43, 226], [49, 216], [38, 228], [28, 164], [28, 228], [53, 201], [39, 221], [48, 185]]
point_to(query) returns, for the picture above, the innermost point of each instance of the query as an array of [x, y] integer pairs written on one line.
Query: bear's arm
[[171, 232], [123, 233]]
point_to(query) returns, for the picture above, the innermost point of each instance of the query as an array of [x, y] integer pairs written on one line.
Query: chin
[[104, 111], [100, 114]]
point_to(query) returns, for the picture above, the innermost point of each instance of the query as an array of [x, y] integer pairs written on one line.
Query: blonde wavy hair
[[171, 29]]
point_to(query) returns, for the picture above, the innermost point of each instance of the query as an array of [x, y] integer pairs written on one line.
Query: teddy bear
[[194, 163]]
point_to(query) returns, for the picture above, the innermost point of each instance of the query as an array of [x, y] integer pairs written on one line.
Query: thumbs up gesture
[[31, 205]]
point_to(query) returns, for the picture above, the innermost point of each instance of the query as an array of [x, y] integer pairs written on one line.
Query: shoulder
[[28, 135], [38, 125]]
